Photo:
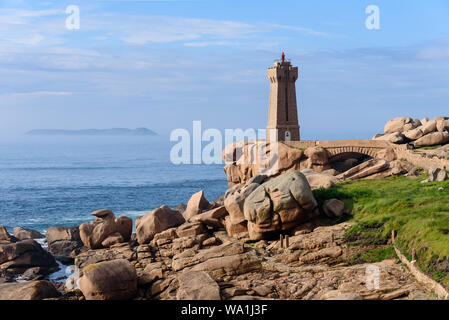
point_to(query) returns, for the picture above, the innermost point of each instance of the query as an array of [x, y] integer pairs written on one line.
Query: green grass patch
[[429, 147], [418, 212], [372, 256], [377, 255]]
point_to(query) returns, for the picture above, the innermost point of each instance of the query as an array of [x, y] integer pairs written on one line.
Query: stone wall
[[439, 290], [421, 160]]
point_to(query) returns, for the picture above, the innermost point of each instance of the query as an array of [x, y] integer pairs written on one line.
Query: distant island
[[95, 132]]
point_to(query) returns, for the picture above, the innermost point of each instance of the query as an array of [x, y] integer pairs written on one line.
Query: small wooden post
[[392, 236], [281, 241], [332, 237], [287, 242]]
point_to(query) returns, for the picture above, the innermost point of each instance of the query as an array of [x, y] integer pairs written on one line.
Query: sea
[[59, 180]]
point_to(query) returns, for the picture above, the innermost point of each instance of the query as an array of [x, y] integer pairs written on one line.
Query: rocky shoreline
[[267, 238]]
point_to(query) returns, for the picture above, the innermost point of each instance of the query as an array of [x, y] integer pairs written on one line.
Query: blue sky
[[163, 64]]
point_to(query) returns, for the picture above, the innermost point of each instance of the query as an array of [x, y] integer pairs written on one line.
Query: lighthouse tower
[[283, 111]]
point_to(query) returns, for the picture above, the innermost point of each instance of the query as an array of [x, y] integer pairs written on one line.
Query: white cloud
[[37, 94], [300, 29], [163, 29], [436, 51], [28, 25], [15, 16], [208, 43]]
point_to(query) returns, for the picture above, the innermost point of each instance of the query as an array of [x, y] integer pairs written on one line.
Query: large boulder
[[109, 280], [247, 159], [151, 273], [22, 233], [156, 221], [5, 237], [429, 127], [405, 129], [388, 154], [235, 199], [62, 241], [197, 204], [105, 230], [394, 137], [319, 180], [212, 218], [89, 257], [401, 124], [279, 204], [414, 134], [124, 227], [197, 285], [228, 259], [288, 158], [191, 229], [443, 125], [239, 230], [35, 290], [20, 256], [432, 139], [318, 158]]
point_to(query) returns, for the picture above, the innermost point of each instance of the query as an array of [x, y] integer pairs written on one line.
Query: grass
[[419, 213], [429, 147], [372, 256]]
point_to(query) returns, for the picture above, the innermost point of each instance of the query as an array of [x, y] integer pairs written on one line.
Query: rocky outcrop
[[36, 290], [317, 180], [414, 134], [228, 259], [191, 229], [432, 139], [109, 280], [21, 234], [124, 227], [235, 198], [62, 241], [156, 221], [443, 125], [197, 204], [20, 256], [401, 124], [213, 218], [212, 265], [279, 204], [419, 133], [395, 137], [197, 285], [248, 159], [5, 237], [122, 251], [105, 231], [318, 159], [151, 273], [387, 154], [236, 230]]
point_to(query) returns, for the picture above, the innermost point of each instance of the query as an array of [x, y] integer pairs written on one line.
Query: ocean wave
[[130, 214]]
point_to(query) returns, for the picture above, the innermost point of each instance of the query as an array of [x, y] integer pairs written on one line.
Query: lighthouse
[[283, 110]]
